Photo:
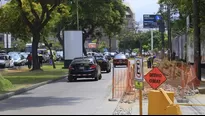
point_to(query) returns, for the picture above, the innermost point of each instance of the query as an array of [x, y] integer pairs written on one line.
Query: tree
[[35, 15], [130, 40], [96, 14]]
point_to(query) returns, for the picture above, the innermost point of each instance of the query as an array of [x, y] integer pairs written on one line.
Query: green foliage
[[136, 50], [5, 84], [18, 45], [1, 45], [102, 45], [130, 40], [11, 21]]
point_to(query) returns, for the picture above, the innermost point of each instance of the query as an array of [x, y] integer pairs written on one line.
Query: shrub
[[5, 84]]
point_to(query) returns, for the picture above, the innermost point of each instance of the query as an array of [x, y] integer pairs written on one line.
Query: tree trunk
[[36, 38], [84, 50], [60, 40], [197, 42], [110, 42], [54, 66]]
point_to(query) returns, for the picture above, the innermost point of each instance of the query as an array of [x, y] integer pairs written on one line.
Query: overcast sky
[[141, 7]]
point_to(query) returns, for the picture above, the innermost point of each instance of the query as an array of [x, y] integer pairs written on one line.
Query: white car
[[6, 61]]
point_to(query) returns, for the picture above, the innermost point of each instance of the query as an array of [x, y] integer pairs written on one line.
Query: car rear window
[[120, 56], [80, 61]]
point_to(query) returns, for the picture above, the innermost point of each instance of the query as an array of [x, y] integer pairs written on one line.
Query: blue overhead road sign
[[151, 21]]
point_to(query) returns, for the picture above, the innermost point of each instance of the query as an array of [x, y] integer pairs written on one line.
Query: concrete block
[[201, 90]]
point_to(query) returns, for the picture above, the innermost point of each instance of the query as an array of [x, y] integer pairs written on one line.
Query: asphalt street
[[83, 97]]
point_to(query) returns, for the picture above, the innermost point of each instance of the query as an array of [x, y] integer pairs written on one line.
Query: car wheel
[[70, 79], [108, 70], [75, 79], [97, 78], [100, 77]]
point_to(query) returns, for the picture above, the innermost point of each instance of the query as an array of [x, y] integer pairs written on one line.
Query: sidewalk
[[135, 108], [194, 110]]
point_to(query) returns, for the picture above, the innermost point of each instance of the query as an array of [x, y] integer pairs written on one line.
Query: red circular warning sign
[[155, 78]]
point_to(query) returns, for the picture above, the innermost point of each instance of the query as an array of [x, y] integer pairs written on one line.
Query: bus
[[29, 47]]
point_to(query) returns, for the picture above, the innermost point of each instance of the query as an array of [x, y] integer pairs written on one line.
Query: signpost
[[139, 76], [151, 21], [139, 80], [155, 78]]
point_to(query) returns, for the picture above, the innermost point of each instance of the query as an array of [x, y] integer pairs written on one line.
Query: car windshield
[[120, 56], [1, 57], [16, 57], [24, 54]]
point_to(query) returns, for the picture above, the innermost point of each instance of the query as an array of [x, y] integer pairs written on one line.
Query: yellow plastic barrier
[[161, 102]]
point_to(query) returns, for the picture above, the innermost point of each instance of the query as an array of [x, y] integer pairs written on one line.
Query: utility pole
[[169, 32], [77, 14], [7, 43], [197, 42], [162, 30]]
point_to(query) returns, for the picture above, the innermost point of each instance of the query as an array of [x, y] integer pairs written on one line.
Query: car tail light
[[71, 68], [93, 66]]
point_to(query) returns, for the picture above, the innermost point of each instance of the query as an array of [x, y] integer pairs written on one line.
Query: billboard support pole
[[152, 41]]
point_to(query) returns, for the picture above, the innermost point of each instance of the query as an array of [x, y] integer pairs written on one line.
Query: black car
[[84, 67], [104, 63]]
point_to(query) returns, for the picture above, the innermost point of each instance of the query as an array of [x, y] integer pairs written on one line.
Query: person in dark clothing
[[40, 57], [173, 55], [150, 61], [29, 58]]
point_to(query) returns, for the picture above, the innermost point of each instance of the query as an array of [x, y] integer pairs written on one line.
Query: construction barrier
[[181, 76], [189, 80], [123, 81], [161, 102]]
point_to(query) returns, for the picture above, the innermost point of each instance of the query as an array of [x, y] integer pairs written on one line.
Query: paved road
[[62, 97]]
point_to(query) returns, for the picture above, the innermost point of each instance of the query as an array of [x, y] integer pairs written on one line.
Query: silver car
[[6, 61]]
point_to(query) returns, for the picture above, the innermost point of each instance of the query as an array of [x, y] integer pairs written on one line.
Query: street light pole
[[169, 32]]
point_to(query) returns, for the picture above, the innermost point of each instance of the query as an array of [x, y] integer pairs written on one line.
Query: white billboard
[[5, 40], [73, 44]]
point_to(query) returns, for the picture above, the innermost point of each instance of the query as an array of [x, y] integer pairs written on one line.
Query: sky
[[141, 7]]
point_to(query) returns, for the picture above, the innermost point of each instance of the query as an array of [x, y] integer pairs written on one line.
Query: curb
[[23, 90]]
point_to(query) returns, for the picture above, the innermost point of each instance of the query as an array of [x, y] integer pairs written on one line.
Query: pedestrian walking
[[29, 58], [50, 60]]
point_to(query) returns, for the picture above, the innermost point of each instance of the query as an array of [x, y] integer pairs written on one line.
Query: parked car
[[25, 55], [120, 59], [59, 55], [84, 67], [104, 63], [19, 60], [45, 54], [108, 57], [6, 61], [112, 54]]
